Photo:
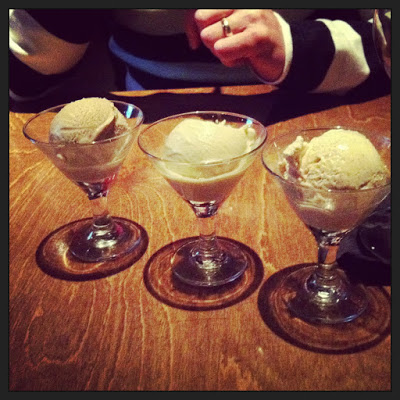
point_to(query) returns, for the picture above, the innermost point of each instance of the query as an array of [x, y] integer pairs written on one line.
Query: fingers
[[256, 39], [230, 47], [214, 32], [233, 49], [197, 20], [205, 18]]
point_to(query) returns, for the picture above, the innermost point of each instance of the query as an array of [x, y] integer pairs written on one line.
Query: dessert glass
[[93, 167], [322, 292], [207, 260]]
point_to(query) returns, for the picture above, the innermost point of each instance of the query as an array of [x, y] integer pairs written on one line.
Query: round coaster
[[163, 284], [372, 326], [54, 257]]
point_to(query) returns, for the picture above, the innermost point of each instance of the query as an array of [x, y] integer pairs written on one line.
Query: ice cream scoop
[[337, 159], [195, 146], [201, 154], [331, 171], [86, 121], [200, 141]]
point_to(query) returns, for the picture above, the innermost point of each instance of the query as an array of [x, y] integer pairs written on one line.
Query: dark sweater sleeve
[[45, 46], [313, 52]]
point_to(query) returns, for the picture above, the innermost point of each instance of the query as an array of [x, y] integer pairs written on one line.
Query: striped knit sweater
[[46, 46]]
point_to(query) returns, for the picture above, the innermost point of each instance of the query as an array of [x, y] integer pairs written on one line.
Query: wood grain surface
[[135, 330]]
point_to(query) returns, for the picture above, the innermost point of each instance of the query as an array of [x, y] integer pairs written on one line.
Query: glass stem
[[326, 261], [207, 253], [103, 228], [325, 283]]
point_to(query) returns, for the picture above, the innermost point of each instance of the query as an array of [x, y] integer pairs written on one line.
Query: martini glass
[[207, 260], [93, 167], [322, 292]]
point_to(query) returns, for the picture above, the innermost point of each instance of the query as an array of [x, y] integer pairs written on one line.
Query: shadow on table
[[364, 332], [54, 258], [164, 286]]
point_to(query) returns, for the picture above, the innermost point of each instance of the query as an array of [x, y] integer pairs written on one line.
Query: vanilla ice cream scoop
[[199, 141], [195, 145], [338, 159], [87, 120]]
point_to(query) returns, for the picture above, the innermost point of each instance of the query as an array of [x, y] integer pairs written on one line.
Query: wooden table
[[127, 331]]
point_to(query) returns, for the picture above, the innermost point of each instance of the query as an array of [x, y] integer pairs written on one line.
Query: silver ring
[[226, 28]]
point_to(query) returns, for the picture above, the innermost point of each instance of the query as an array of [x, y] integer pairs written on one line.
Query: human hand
[[256, 38]]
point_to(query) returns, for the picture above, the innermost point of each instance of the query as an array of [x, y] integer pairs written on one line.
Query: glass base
[[366, 331], [54, 255], [217, 272], [342, 304], [90, 245], [166, 287]]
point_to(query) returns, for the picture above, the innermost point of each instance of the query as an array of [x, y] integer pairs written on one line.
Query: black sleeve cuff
[[313, 52]]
